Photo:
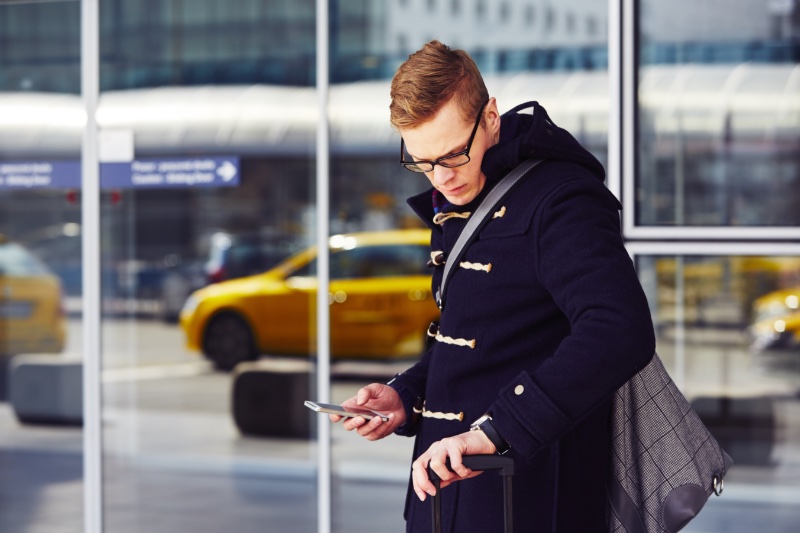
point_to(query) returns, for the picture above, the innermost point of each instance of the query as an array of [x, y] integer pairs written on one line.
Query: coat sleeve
[[582, 262], [410, 385]]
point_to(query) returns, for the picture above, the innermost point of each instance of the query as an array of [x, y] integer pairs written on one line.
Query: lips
[[452, 192]]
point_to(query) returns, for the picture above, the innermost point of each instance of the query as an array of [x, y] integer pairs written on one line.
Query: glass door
[[208, 185], [41, 478]]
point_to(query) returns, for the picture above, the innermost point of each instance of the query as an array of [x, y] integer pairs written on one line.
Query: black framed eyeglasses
[[449, 161]]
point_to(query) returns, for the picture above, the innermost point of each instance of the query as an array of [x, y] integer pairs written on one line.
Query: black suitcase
[[503, 463]]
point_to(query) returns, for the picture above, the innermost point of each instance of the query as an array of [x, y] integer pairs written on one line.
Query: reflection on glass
[[176, 449], [719, 114], [380, 304], [552, 52], [728, 332], [41, 476], [31, 313]]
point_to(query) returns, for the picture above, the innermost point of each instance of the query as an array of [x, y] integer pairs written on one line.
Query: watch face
[[481, 420]]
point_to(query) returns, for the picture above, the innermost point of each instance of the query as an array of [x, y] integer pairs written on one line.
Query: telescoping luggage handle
[[503, 463]]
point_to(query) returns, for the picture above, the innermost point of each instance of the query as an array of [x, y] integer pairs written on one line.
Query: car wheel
[[228, 341]]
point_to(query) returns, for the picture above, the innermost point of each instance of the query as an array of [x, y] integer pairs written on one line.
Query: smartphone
[[332, 409]]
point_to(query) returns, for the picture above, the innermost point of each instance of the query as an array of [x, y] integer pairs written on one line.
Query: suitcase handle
[[503, 463]]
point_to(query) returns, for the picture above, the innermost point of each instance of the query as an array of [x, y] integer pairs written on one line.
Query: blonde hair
[[430, 78]]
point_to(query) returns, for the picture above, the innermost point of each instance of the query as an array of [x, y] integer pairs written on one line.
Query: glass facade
[[725, 330], [179, 423], [718, 114], [710, 182], [41, 440], [208, 117]]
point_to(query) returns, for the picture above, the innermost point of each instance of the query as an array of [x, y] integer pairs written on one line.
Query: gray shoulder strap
[[477, 220]]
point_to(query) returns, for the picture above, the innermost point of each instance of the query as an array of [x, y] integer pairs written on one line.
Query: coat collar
[[522, 136]]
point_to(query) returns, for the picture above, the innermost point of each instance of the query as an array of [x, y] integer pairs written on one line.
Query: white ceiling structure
[[762, 101]]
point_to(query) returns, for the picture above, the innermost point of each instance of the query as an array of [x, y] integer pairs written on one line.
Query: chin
[[460, 200]]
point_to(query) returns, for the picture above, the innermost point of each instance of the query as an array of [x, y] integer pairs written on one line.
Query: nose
[[441, 175]]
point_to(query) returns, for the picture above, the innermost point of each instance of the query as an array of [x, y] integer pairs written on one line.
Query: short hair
[[430, 78]]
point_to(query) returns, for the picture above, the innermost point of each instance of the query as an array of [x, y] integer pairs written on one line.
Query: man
[[545, 317]]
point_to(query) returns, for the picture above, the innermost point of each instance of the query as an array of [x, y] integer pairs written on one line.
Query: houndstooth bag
[[665, 462]]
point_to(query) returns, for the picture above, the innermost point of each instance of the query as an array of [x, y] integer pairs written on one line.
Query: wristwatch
[[485, 424]]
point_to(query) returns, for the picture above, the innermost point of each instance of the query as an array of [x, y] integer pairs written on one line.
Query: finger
[[354, 422], [456, 462], [363, 396], [386, 427], [370, 427], [335, 418], [474, 473], [438, 464], [422, 484], [350, 402]]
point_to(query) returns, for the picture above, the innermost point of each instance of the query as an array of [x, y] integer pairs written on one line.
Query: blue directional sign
[[138, 174], [171, 173], [40, 174]]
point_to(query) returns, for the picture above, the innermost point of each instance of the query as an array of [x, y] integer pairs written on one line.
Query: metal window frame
[[624, 15], [615, 123], [698, 233], [713, 248], [324, 459], [90, 258]]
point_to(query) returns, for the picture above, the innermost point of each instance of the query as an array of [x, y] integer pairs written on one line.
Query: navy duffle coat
[[544, 319]]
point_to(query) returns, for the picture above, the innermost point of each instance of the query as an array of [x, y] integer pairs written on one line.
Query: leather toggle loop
[[437, 260]]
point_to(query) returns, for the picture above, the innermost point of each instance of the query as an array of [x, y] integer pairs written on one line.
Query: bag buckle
[[717, 485]]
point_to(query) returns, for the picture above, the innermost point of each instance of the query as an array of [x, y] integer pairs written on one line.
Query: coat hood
[[524, 136]]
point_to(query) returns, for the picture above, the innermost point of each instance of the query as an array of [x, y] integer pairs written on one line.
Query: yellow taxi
[[31, 312], [380, 303], [776, 320]]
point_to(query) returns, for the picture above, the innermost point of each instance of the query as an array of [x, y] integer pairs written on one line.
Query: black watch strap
[[486, 425]]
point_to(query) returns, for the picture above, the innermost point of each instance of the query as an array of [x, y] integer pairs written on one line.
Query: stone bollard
[[268, 395], [46, 389]]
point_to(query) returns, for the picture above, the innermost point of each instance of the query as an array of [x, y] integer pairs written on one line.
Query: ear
[[492, 117]]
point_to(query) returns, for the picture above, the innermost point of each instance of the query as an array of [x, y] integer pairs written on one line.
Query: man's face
[[447, 133]]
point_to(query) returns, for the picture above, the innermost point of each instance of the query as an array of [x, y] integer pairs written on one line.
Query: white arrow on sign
[[227, 171]]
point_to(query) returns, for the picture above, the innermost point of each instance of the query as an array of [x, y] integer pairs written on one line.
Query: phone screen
[[341, 411]]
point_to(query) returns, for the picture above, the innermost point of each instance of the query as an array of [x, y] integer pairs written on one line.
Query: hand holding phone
[[332, 409]]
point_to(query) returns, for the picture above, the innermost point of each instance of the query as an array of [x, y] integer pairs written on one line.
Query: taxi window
[[380, 262], [375, 262], [16, 261]]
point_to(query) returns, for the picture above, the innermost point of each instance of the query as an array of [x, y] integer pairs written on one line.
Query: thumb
[[363, 396]]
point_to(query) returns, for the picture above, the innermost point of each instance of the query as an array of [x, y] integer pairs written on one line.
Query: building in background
[[206, 42]]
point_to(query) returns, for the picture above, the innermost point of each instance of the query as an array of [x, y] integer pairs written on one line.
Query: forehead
[[445, 133]]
